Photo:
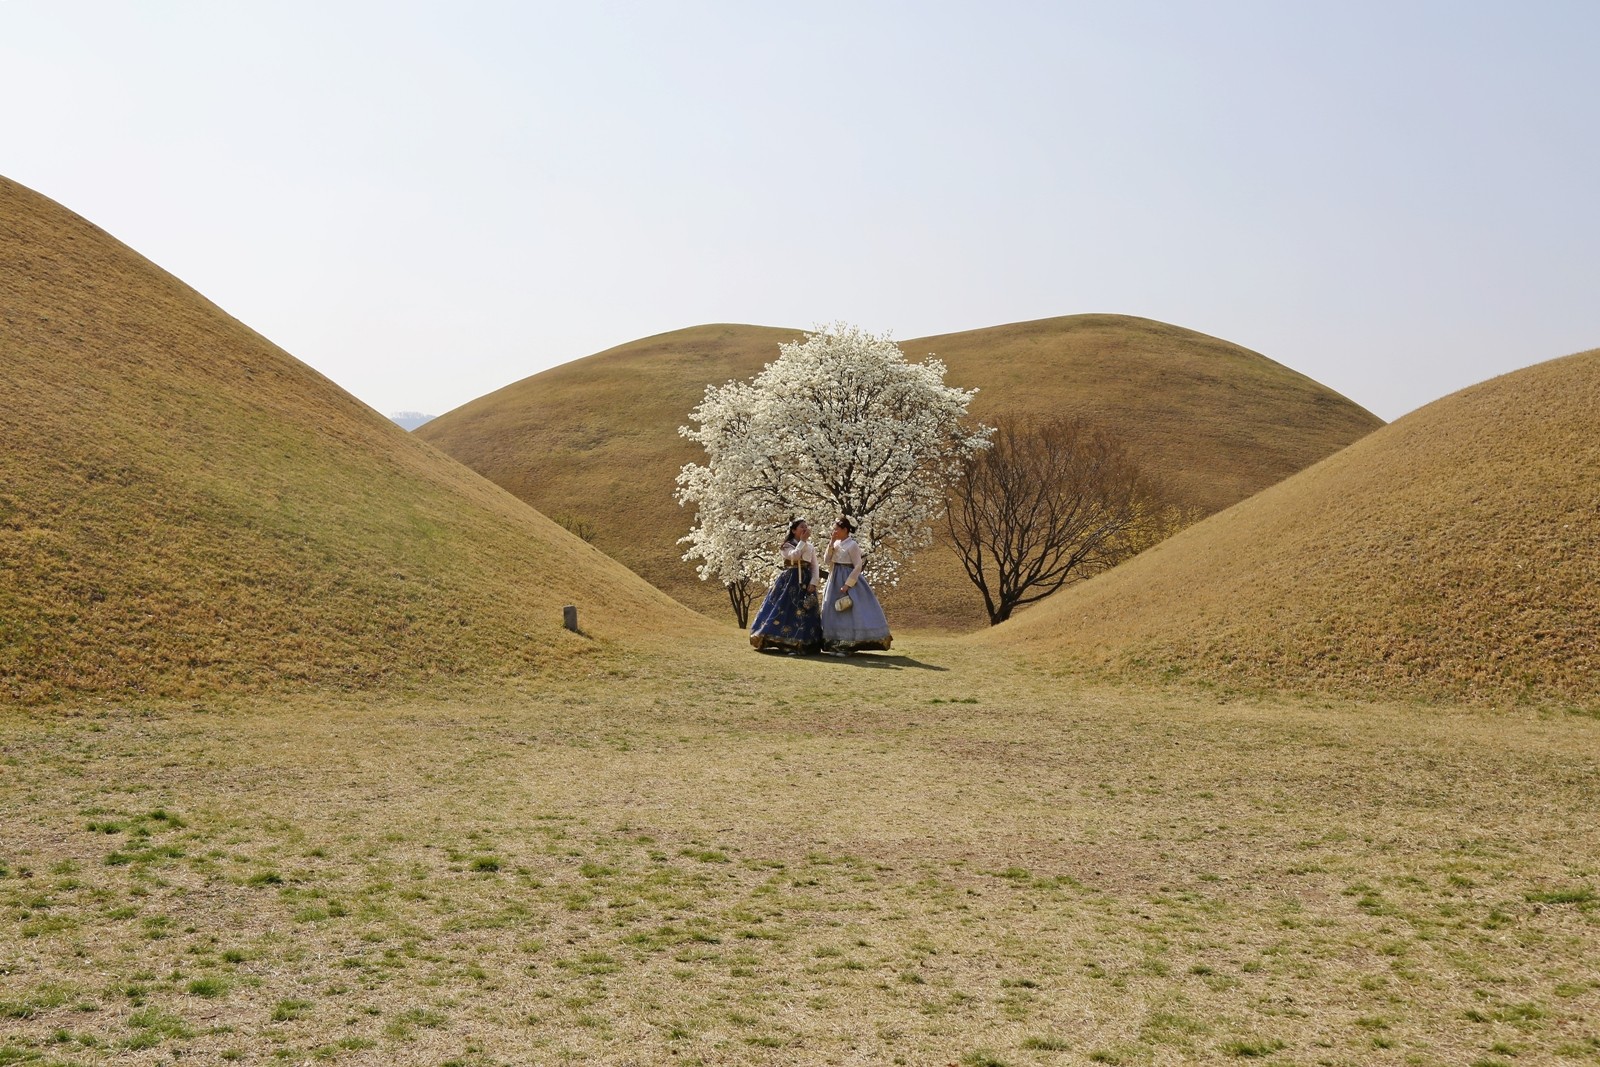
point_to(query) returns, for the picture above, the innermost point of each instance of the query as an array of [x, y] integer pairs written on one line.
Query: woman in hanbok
[[852, 620], [788, 620]]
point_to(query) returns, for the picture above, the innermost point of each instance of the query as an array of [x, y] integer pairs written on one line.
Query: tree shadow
[[880, 661]]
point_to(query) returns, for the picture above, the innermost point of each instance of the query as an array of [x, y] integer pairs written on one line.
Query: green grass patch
[[1252, 1049], [982, 1058], [153, 1027], [1580, 895], [288, 1010], [705, 855]]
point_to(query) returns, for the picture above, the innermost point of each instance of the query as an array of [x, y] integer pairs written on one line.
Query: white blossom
[[839, 424]]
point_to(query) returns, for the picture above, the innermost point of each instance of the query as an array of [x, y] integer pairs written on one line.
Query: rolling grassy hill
[[1452, 553], [595, 441], [185, 507]]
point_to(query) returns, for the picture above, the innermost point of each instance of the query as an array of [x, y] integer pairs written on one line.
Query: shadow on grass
[[880, 661], [857, 659]]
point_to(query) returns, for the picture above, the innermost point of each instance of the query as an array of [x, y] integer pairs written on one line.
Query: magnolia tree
[[839, 424]]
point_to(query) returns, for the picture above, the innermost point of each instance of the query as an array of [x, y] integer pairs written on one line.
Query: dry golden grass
[[184, 506], [672, 849], [596, 440], [1450, 555], [703, 855]]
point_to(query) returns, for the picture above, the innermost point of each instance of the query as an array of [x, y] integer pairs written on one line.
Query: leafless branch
[[1051, 501]]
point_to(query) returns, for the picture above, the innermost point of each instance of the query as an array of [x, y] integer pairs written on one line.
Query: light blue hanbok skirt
[[860, 629]]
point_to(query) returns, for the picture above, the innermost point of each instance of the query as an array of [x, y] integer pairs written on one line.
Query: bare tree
[[577, 526], [1052, 500]]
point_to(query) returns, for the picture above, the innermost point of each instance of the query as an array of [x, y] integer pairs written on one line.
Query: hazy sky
[[429, 200]]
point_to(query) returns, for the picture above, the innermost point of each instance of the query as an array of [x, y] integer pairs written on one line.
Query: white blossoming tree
[[839, 424]]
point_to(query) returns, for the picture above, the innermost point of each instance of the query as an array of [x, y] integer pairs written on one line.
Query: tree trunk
[[739, 594]]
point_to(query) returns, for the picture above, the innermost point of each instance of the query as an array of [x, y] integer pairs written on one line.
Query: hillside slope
[[1452, 553], [185, 507], [596, 440]]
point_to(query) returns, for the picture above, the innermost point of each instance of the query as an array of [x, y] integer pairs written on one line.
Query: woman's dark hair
[[846, 523], [796, 524]]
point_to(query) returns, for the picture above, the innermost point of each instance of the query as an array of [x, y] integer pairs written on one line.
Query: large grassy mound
[[184, 506], [596, 441], [1451, 553]]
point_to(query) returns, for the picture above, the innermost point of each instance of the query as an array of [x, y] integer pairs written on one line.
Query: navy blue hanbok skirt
[[785, 622]]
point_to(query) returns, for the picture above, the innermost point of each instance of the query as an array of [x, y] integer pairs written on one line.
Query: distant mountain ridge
[[410, 420], [596, 439]]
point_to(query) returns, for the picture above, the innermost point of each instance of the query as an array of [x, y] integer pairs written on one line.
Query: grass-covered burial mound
[[185, 507], [1453, 553]]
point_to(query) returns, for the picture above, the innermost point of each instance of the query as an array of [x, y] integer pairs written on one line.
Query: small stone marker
[[569, 617]]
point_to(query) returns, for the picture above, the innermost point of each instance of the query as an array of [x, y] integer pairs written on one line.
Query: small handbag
[[842, 602]]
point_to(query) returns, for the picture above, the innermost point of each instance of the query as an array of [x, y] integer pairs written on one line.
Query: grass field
[[705, 855]]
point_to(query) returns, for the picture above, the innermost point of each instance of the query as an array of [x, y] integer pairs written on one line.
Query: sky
[[427, 201]]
